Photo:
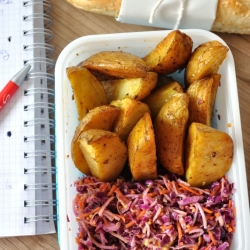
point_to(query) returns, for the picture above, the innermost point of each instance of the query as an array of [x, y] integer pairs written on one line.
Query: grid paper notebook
[[26, 187]]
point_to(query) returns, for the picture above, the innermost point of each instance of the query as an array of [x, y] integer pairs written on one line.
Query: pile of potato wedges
[[133, 115]]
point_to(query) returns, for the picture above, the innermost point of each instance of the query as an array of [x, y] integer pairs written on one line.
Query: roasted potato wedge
[[105, 153], [116, 63], [170, 54], [136, 88], [205, 60], [131, 112], [160, 95], [209, 154], [202, 94], [170, 132], [142, 150], [101, 117], [88, 91]]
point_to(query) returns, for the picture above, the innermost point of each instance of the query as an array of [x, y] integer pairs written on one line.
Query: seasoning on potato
[[142, 150], [149, 113], [131, 111], [161, 94], [170, 54], [205, 60], [170, 132], [136, 88], [105, 153], [88, 91], [101, 117], [202, 94], [209, 154], [118, 64]]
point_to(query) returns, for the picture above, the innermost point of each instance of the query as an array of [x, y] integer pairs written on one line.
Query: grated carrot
[[124, 200], [212, 237], [111, 191], [164, 191], [208, 246], [187, 188], [207, 210], [152, 194], [215, 190], [199, 241], [130, 224], [179, 230], [81, 216]]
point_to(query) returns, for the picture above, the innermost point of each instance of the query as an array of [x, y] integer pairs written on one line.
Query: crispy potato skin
[[151, 119], [209, 155], [202, 94], [101, 117], [131, 111], [156, 99], [205, 60], [142, 150], [88, 91], [170, 132], [135, 88], [116, 63], [170, 54], [104, 152]]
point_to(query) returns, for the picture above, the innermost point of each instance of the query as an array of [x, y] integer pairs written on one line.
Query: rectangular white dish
[[226, 118]]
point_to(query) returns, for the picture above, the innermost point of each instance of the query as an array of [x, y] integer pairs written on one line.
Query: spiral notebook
[[26, 140]]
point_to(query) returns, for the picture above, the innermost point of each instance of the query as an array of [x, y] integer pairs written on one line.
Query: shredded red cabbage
[[165, 213]]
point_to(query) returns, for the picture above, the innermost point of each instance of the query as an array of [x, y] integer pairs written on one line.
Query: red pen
[[12, 86]]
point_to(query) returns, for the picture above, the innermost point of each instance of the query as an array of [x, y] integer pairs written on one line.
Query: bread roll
[[232, 16]]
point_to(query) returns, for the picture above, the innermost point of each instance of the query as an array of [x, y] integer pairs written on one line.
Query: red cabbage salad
[[165, 213]]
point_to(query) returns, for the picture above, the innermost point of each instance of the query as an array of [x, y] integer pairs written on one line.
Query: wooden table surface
[[70, 23]]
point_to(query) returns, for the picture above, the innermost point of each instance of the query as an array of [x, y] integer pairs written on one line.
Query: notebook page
[[12, 129]]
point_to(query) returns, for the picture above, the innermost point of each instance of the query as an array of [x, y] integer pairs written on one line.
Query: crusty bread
[[232, 16], [105, 7]]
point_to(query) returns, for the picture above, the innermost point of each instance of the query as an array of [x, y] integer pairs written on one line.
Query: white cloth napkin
[[169, 14]]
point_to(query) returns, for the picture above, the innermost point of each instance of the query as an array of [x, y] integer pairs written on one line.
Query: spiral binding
[[47, 5], [40, 153], [40, 218], [41, 91], [49, 49], [43, 138], [28, 203], [49, 63], [48, 34], [44, 96], [41, 106], [40, 169], [40, 186], [40, 121], [50, 78]]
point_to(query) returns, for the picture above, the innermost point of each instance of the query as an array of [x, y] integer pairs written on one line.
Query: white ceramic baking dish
[[226, 118]]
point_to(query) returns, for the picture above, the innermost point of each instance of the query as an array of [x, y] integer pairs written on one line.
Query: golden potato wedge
[[88, 91], [202, 94], [119, 64], [209, 154], [137, 88], [104, 152], [160, 95], [170, 132], [170, 54], [205, 60], [142, 150], [131, 112], [101, 117]]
